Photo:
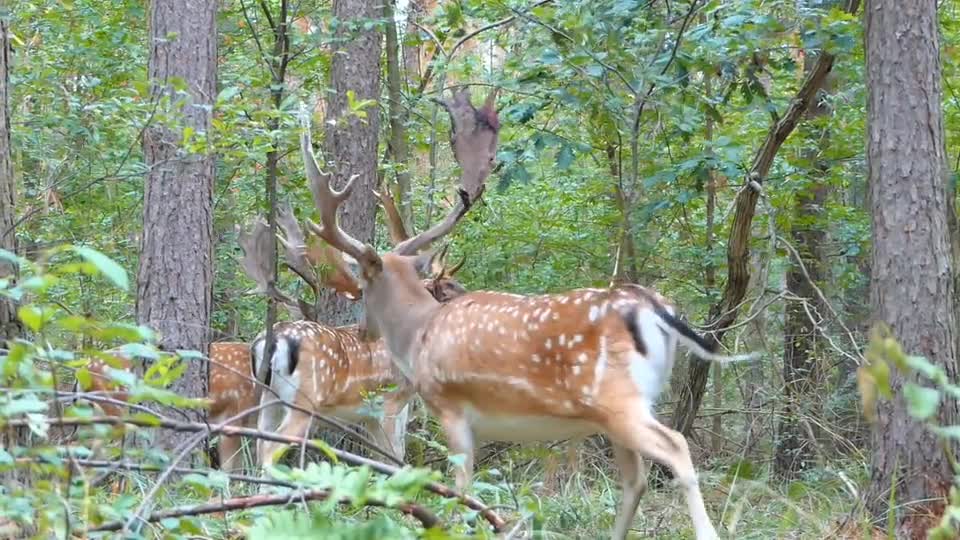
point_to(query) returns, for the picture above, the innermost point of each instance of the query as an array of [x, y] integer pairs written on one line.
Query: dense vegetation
[[631, 132]]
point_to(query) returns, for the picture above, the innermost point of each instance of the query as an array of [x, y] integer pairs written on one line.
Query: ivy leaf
[[105, 265]]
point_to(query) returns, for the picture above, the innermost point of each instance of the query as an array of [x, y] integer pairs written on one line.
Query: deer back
[[570, 354]]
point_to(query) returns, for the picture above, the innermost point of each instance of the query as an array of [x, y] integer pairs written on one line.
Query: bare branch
[[197, 427], [426, 517]]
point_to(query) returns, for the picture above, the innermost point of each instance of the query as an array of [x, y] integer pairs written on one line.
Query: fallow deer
[[507, 367], [232, 390], [325, 370]]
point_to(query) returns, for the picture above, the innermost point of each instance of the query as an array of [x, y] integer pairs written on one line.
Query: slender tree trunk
[[351, 141], [398, 133], [9, 324], [174, 282], [801, 373], [912, 287]]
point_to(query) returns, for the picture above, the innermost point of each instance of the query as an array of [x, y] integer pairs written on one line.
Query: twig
[[193, 427], [823, 299], [426, 517], [140, 467], [495, 24]]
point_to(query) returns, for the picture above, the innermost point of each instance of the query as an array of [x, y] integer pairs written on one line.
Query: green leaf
[[922, 402], [228, 93], [31, 316], [564, 157], [107, 266], [950, 432]]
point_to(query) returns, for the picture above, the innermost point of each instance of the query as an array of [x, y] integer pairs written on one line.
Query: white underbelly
[[513, 428]]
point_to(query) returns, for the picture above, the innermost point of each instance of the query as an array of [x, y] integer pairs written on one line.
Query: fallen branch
[[424, 516], [140, 467], [195, 427]]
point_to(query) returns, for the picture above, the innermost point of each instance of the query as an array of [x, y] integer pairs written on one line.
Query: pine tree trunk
[[912, 287], [351, 142], [174, 283], [9, 324]]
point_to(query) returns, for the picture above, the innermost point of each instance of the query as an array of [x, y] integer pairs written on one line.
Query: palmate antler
[[315, 262], [473, 138]]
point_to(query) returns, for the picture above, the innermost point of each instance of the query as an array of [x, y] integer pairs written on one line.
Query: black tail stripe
[[683, 329], [293, 343], [631, 319]]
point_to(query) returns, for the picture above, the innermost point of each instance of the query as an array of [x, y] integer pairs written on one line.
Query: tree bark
[[912, 280], [795, 451], [399, 149], [9, 324], [801, 373], [351, 142], [174, 282]]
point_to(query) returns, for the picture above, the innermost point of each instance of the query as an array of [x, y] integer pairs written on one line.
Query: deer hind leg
[[637, 430], [229, 452], [269, 421], [633, 471]]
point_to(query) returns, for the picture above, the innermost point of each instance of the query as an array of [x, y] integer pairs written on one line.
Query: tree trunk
[[801, 373], [912, 287], [351, 141], [9, 324], [174, 282], [795, 450], [399, 150]]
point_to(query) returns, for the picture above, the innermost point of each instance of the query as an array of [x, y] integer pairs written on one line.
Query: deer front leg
[[459, 441], [396, 414]]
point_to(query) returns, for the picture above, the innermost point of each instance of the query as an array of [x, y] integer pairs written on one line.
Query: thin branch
[[352, 459], [493, 25], [140, 467], [426, 517]]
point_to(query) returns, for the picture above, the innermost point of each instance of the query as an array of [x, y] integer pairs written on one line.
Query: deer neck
[[400, 307]]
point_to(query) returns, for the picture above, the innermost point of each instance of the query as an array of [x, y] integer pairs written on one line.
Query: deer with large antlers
[[326, 370], [507, 367]]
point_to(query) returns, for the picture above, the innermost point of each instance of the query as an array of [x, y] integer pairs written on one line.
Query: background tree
[[912, 280], [175, 278], [353, 124], [9, 324]]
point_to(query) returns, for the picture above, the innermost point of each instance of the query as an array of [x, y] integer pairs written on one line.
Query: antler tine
[[437, 260], [473, 136], [450, 273], [395, 225], [328, 200], [295, 247]]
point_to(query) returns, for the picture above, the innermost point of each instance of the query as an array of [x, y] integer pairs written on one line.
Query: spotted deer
[[326, 370], [506, 367], [231, 391]]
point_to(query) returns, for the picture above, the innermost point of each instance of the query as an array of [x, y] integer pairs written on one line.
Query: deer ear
[[423, 263]]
